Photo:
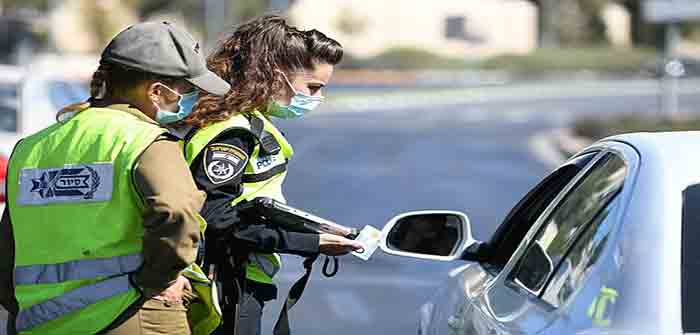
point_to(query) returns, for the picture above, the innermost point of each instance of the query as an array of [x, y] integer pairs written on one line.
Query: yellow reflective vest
[[77, 221], [263, 176]]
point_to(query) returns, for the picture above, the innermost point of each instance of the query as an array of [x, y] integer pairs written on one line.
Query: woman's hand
[[176, 291], [334, 245]]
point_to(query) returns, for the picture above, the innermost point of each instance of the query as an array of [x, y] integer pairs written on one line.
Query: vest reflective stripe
[[256, 178], [77, 270], [71, 301], [257, 182], [195, 273]]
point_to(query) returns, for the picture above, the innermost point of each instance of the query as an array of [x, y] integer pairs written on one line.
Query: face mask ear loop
[[286, 79], [179, 96]]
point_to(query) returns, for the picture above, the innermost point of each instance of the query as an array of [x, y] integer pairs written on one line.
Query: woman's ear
[[153, 91]]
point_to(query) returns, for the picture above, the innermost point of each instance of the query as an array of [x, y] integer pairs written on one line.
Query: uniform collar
[[133, 111], [180, 132]]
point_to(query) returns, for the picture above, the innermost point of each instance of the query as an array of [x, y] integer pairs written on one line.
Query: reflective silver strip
[[76, 270], [264, 264], [72, 301]]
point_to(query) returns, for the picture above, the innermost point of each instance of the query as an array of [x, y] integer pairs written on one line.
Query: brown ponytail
[[97, 91], [98, 85]]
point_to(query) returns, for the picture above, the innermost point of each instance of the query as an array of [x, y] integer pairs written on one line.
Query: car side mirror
[[436, 235]]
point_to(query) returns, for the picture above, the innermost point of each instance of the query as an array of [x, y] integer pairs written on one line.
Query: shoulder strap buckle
[[268, 143]]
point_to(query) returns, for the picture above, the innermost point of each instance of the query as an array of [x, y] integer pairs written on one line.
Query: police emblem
[[68, 184], [224, 162]]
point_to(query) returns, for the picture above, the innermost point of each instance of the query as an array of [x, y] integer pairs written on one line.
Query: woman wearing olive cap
[[102, 214]]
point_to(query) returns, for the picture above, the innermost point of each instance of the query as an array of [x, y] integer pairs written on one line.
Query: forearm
[[262, 238], [171, 220], [250, 233]]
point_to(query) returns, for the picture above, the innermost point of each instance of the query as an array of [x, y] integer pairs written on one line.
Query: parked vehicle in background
[[19, 41], [10, 81], [606, 244], [31, 96], [658, 68]]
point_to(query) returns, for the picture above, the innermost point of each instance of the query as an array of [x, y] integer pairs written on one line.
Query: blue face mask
[[300, 104], [185, 104]]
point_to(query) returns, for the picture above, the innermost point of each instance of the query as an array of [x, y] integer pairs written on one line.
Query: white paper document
[[369, 238]]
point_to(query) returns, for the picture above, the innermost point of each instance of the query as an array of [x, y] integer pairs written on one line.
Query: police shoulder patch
[[224, 162]]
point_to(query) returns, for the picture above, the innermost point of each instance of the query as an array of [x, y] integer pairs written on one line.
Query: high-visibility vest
[[263, 176], [204, 314], [77, 221]]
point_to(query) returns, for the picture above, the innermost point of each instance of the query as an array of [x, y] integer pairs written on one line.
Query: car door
[[554, 260], [450, 310]]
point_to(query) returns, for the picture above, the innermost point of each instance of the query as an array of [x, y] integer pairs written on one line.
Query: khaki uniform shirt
[[171, 234]]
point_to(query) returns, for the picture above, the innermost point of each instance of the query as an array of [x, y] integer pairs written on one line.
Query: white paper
[[369, 238]]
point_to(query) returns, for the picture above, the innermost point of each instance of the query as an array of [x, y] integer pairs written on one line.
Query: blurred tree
[[193, 10], [239, 9], [643, 34], [243, 10], [570, 22], [594, 24], [349, 23], [547, 17], [106, 18], [42, 5]]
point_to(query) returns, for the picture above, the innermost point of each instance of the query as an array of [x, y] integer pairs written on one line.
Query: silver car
[[608, 243]]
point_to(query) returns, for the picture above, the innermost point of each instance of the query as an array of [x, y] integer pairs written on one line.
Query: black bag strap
[[282, 324]]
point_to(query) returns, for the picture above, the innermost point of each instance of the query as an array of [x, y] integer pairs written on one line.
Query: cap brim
[[211, 83]]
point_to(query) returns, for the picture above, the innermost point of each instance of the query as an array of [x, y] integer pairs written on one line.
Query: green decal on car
[[597, 309]]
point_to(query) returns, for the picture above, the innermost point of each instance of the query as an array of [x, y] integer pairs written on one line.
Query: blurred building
[[457, 28], [618, 23], [83, 26]]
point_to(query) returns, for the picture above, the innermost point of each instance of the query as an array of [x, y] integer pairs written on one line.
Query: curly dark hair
[[250, 60]]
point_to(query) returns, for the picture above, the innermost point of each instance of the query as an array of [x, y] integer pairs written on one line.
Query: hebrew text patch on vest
[[71, 183]]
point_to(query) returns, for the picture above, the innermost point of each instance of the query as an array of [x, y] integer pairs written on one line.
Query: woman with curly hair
[[237, 154]]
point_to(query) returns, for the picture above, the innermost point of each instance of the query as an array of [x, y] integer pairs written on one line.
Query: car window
[[565, 224], [572, 272], [690, 262], [528, 210]]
